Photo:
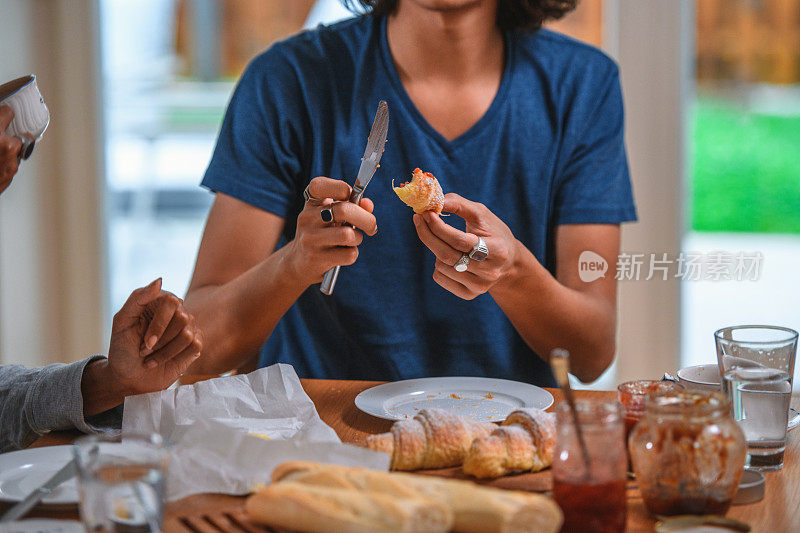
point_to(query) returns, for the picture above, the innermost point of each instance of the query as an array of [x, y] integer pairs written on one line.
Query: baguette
[[434, 438], [320, 509], [475, 509]]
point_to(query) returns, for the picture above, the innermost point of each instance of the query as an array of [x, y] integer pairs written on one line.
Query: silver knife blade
[[19, 510], [373, 151], [369, 164]]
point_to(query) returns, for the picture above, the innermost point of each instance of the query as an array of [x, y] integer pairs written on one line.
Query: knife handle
[[329, 279], [21, 509]]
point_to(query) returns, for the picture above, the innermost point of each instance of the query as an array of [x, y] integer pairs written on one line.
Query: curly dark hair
[[527, 15]]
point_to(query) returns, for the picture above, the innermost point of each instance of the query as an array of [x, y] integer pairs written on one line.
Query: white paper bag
[[207, 426]]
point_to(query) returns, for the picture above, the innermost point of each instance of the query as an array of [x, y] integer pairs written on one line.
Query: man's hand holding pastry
[[469, 263]]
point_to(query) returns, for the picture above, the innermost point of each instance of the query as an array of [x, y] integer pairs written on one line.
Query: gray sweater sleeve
[[34, 401]]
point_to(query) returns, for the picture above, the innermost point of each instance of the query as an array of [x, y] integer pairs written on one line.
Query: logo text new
[[591, 266]]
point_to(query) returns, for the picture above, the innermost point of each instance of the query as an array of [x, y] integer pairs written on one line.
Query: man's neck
[[455, 45]]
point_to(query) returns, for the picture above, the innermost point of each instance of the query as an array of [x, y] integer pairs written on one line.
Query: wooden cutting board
[[531, 481], [234, 521]]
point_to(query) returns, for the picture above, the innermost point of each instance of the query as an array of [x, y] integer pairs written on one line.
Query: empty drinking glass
[[121, 482], [757, 364]]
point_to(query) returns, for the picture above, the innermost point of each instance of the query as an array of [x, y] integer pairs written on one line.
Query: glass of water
[[121, 482], [757, 365]]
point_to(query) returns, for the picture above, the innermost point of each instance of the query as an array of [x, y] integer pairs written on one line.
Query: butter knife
[[20, 509], [369, 163]]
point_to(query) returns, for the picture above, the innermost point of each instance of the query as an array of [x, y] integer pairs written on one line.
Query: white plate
[[23, 471], [483, 399]]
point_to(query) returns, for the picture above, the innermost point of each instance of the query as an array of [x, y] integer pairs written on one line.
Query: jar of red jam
[[688, 453], [633, 396], [590, 488]]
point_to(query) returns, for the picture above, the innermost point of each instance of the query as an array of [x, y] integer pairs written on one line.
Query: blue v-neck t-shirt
[[548, 151]]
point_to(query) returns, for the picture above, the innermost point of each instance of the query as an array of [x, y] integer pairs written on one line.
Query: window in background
[[168, 69], [744, 178]]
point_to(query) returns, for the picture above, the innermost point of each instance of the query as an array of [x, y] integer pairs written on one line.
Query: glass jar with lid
[[688, 453]]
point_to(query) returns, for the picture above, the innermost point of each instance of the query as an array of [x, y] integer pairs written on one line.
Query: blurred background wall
[[53, 290], [138, 89]]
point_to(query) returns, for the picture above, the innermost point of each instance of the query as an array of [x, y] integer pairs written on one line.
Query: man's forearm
[[548, 314], [237, 317]]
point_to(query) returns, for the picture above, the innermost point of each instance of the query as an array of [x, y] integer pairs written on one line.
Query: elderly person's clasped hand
[[154, 339], [450, 245]]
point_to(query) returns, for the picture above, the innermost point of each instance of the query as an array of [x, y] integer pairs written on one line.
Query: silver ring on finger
[[480, 251], [307, 196], [326, 214], [462, 264]]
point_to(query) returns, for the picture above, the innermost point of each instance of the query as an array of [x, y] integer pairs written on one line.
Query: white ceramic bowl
[[700, 377]]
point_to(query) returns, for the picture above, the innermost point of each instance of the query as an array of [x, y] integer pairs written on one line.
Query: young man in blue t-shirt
[[523, 127]]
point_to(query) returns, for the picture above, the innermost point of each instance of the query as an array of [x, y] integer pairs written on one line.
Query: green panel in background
[[746, 170]]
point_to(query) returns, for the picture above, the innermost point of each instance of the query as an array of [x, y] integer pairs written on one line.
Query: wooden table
[[778, 512]]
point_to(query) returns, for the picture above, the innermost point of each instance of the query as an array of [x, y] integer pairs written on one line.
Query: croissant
[[422, 193], [523, 443], [434, 438]]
